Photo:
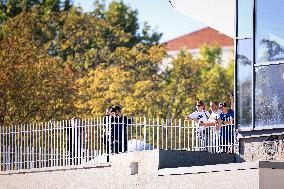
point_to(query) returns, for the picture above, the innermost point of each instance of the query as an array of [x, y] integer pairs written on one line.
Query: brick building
[[192, 42]]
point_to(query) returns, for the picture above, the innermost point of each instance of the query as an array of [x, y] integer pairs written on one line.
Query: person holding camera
[[116, 124]]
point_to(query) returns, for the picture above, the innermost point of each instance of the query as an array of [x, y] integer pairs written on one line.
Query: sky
[[159, 14]]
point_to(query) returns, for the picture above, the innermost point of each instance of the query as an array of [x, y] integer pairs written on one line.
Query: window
[[245, 18], [244, 84], [269, 96], [269, 37], [269, 67], [244, 65]]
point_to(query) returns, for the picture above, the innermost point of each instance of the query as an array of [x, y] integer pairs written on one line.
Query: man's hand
[[218, 125], [187, 118]]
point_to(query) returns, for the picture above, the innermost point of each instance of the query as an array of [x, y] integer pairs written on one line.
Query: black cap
[[116, 108], [223, 104], [199, 103]]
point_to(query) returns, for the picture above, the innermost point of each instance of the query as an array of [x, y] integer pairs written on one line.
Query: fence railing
[[91, 141]]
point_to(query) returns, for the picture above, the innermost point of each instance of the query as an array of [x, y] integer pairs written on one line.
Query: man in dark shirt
[[116, 124], [119, 131], [226, 122]]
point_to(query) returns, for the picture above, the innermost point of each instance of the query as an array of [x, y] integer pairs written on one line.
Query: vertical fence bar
[[192, 136], [12, 146], [1, 142], [5, 148], [184, 135], [30, 144], [188, 129], [37, 144], [162, 126], [2, 149], [179, 132], [21, 146], [166, 133], [9, 151], [95, 122], [145, 129], [65, 129], [109, 133], [57, 143], [61, 139], [89, 138], [45, 145], [175, 134], [158, 134], [153, 125], [171, 141], [48, 145], [24, 146]]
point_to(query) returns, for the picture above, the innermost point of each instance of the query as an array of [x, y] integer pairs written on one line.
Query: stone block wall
[[264, 148]]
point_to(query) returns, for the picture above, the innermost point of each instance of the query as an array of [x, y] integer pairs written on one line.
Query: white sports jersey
[[200, 116], [214, 115]]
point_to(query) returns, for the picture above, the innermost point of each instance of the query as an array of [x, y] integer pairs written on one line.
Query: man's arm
[[232, 101], [207, 124], [222, 122]]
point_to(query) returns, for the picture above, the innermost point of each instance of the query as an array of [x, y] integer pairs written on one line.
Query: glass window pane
[[245, 18], [269, 95], [244, 84], [269, 30]]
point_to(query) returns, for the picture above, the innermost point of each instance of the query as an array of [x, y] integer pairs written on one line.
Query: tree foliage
[[33, 86], [57, 62]]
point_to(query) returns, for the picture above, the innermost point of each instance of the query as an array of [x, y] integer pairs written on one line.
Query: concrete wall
[[168, 158], [120, 174], [262, 148]]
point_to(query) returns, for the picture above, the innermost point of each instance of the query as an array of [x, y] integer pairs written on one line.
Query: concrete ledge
[[221, 168], [58, 168], [149, 162], [143, 170]]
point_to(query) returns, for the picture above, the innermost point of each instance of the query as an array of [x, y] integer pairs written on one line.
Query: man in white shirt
[[215, 113], [200, 115]]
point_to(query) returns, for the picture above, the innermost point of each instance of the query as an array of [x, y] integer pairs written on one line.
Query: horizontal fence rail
[[91, 141]]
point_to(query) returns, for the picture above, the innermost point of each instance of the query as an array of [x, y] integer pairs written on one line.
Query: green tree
[[131, 82], [33, 85]]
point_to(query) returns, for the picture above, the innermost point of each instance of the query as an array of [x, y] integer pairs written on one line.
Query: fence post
[[1, 148], [166, 133], [158, 134], [192, 135], [179, 131], [145, 128], [108, 124]]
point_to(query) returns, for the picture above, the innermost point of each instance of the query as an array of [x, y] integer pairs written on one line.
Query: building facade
[[192, 42], [259, 78], [259, 70]]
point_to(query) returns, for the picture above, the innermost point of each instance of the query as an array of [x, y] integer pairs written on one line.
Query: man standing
[[119, 131], [200, 115], [116, 125], [226, 121]]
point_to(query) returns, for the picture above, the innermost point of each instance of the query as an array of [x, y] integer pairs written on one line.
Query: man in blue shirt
[[227, 115], [226, 122]]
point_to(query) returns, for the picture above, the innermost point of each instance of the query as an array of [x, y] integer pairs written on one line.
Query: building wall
[[120, 174], [106, 177], [263, 148], [227, 55]]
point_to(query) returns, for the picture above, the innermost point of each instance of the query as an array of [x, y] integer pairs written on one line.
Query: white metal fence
[[91, 141]]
